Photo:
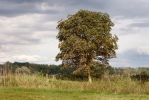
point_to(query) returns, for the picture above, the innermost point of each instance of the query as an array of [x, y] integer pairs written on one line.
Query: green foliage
[[85, 36], [45, 69], [74, 74], [22, 70], [37, 68], [98, 71], [142, 77], [61, 73]]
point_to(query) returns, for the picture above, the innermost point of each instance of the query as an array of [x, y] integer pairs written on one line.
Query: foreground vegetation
[[24, 81], [10, 93], [110, 84]]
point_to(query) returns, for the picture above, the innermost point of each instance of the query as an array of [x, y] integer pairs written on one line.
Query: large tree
[[84, 37]]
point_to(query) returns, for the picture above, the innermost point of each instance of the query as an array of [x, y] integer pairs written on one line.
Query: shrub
[[142, 77]]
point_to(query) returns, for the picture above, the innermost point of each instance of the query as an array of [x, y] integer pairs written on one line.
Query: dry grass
[[107, 85]]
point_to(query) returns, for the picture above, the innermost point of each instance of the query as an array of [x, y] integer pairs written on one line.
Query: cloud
[[11, 49], [26, 32], [141, 25], [114, 7], [143, 50], [23, 58], [4, 57], [21, 7], [127, 8], [125, 26], [130, 58], [28, 28], [26, 58]]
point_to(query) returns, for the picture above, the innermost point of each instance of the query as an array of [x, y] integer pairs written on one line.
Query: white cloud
[[12, 48], [143, 50], [124, 62], [45, 6], [130, 37], [26, 57], [4, 57]]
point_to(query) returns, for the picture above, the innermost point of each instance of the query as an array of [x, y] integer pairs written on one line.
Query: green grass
[[17, 93], [35, 87], [112, 84]]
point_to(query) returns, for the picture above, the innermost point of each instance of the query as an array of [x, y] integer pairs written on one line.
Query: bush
[[142, 77]]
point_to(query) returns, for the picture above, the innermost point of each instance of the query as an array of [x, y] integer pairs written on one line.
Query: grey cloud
[[20, 1], [37, 27], [88, 3], [133, 8], [43, 27], [0, 46], [23, 41], [131, 58], [133, 28], [18, 7], [20, 39], [141, 25], [14, 9], [127, 30], [29, 41], [127, 8]]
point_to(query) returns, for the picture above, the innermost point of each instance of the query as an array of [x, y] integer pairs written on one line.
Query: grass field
[[17, 93], [111, 85], [34, 87]]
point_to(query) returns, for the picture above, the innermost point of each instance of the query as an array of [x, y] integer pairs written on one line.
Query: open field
[[9, 93], [118, 85], [35, 87]]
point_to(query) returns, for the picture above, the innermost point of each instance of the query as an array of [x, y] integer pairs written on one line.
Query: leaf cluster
[[84, 36]]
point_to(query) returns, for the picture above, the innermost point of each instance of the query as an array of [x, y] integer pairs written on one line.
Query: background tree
[[22, 70], [83, 37], [7, 68]]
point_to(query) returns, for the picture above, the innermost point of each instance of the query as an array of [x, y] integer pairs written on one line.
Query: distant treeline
[[45, 69], [42, 68], [33, 68]]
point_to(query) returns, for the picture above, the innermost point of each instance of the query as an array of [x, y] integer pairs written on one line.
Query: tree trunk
[[89, 77]]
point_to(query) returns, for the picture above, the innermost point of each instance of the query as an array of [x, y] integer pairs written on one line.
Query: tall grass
[[110, 84]]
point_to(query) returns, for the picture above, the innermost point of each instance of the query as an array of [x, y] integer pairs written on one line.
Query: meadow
[[18, 93], [37, 87]]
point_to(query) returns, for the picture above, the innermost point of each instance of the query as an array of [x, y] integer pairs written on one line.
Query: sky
[[28, 29]]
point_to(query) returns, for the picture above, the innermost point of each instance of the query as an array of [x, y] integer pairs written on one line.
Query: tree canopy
[[84, 37]]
